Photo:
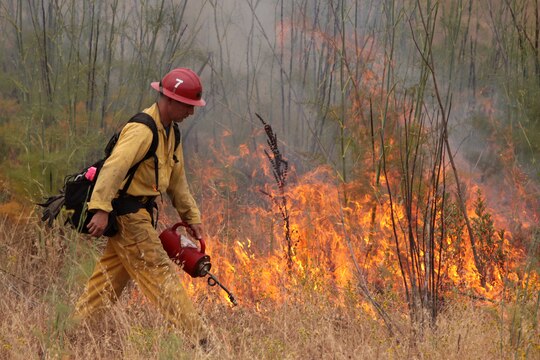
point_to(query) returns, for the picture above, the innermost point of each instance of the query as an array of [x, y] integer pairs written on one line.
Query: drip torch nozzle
[[212, 281]]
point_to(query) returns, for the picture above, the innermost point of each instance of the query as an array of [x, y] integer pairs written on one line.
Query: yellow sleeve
[[179, 193], [133, 144]]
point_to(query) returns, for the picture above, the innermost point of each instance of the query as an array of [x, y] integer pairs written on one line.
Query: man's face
[[179, 111]]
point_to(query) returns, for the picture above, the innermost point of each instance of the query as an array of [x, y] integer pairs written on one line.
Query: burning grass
[[339, 261], [316, 276], [43, 272], [319, 280]]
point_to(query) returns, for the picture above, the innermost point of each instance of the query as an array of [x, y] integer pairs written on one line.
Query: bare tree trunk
[[427, 57], [281, 39], [40, 32], [108, 56], [93, 43]]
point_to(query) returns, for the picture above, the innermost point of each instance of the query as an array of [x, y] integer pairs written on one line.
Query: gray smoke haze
[[320, 72]]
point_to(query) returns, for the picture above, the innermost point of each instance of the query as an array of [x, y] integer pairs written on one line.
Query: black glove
[[52, 207]]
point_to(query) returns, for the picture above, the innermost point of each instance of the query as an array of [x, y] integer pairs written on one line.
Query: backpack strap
[[144, 118], [177, 139]]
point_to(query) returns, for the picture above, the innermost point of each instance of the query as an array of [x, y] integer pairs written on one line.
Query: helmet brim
[[177, 97]]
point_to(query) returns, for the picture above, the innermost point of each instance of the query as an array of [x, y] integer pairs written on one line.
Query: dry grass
[[43, 273]]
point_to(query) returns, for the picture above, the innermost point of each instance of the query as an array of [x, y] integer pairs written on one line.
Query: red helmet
[[183, 85]]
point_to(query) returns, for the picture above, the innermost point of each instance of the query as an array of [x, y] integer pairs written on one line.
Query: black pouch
[[77, 192]]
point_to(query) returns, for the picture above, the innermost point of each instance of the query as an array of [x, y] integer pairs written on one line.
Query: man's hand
[[99, 223], [195, 230]]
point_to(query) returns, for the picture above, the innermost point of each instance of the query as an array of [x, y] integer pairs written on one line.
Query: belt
[[129, 204]]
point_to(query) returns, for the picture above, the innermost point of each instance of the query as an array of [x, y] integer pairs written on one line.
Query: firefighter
[[135, 252]]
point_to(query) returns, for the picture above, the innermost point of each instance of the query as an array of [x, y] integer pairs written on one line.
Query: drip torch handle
[[178, 224]]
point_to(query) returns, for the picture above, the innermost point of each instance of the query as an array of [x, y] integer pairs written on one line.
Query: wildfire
[[321, 234], [246, 237]]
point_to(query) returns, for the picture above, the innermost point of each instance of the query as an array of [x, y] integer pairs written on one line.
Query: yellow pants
[[136, 252]]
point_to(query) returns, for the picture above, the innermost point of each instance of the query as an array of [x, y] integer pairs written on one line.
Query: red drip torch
[[185, 253]]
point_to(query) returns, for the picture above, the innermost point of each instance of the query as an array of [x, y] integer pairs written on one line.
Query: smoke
[[317, 71]]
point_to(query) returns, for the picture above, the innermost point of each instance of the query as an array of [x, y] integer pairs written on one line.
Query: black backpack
[[78, 188]]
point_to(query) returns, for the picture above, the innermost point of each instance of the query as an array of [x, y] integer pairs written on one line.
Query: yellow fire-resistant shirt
[[133, 144]]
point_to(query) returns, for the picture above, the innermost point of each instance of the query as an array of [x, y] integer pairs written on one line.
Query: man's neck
[[165, 121]]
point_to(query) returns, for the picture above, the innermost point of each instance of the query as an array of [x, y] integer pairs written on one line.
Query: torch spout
[[212, 281]]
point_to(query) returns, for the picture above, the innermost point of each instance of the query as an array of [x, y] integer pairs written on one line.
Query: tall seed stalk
[[280, 170]]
